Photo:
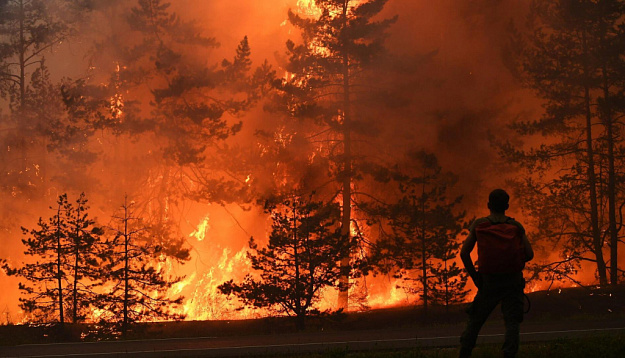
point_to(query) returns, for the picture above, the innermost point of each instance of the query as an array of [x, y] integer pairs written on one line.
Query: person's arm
[[529, 252], [465, 255]]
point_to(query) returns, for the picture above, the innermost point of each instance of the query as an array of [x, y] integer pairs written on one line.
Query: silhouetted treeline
[[149, 108], [571, 54], [79, 271]]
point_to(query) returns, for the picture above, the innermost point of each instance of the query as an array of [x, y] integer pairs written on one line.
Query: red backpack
[[500, 247]]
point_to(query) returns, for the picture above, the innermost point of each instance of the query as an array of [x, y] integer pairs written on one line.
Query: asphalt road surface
[[267, 345]]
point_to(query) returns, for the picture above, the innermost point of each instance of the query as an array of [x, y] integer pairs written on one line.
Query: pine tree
[[169, 97], [65, 248], [137, 284], [423, 228], [449, 281], [28, 30], [340, 43], [608, 30], [84, 242], [299, 262], [46, 286], [572, 57]]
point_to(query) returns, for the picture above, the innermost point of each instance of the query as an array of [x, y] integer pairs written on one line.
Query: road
[[267, 345]]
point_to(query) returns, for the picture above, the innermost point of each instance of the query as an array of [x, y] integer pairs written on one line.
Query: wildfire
[[308, 8], [533, 287], [117, 100], [206, 301], [202, 229], [387, 298], [222, 256]]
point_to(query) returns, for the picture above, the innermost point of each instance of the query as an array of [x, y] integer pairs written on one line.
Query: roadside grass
[[600, 346]]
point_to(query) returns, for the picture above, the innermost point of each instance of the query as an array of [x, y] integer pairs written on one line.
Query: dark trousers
[[506, 289]]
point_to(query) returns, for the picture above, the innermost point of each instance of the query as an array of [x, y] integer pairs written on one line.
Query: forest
[[201, 160]]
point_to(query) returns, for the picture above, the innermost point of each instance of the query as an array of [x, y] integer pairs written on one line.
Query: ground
[[561, 317]]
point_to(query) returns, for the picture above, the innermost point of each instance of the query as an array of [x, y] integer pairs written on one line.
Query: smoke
[[446, 61], [461, 90]]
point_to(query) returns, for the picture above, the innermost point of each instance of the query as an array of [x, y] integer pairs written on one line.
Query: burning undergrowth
[[203, 134]]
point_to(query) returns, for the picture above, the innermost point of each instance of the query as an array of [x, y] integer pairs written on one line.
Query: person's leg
[[512, 309], [483, 304]]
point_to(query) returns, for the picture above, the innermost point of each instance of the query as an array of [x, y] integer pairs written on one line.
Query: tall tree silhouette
[[66, 267], [46, 284], [340, 41], [572, 55], [29, 29], [84, 241], [169, 104], [138, 282], [423, 228]]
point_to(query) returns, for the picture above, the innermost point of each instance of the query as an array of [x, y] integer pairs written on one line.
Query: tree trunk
[[446, 277], [346, 218], [592, 183], [22, 56], [59, 266], [76, 266], [297, 293], [22, 84], [592, 178], [126, 269], [300, 321], [424, 267], [612, 226]]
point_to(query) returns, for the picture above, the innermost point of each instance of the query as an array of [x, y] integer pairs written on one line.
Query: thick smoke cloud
[[458, 91]]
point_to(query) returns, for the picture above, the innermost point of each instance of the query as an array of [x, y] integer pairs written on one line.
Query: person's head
[[498, 201]]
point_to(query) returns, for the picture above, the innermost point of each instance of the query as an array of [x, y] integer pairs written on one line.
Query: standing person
[[502, 249]]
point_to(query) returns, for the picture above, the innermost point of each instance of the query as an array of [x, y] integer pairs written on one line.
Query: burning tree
[[300, 260], [137, 281], [326, 74], [28, 30], [66, 246], [572, 56], [166, 107], [423, 231]]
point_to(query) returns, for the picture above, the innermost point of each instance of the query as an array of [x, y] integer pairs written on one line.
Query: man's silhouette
[[503, 249]]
